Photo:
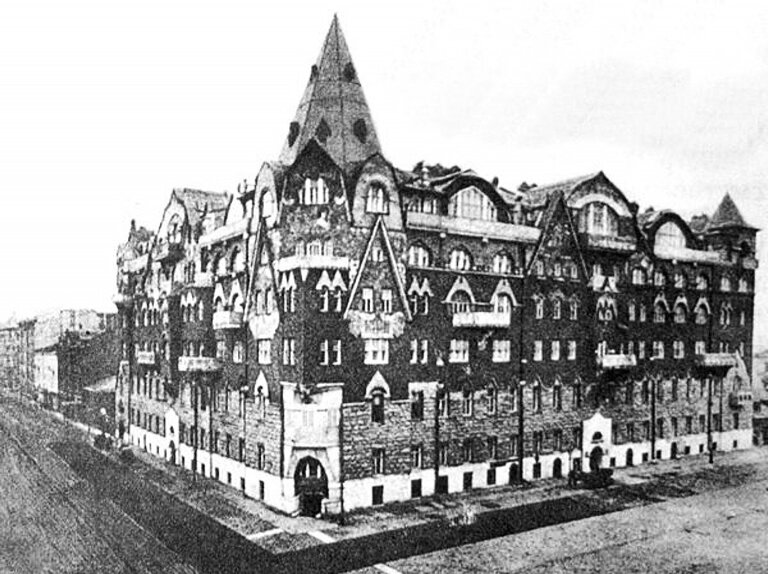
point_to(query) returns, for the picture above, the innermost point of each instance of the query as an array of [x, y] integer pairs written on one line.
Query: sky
[[105, 107]]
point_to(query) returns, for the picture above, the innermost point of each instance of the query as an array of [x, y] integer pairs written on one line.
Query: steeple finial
[[333, 111]]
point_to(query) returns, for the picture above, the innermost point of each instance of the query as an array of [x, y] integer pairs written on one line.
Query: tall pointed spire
[[727, 215], [333, 110]]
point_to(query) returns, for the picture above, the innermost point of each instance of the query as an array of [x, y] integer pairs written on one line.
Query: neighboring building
[[9, 357], [72, 348], [344, 333]]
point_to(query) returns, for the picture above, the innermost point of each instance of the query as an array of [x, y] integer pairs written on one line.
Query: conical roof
[[333, 110], [727, 215]]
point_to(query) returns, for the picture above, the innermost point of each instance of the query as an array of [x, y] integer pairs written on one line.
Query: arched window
[[680, 313], [237, 303], [638, 276], [557, 305], [702, 282], [557, 396], [502, 263], [377, 406], [218, 305], [702, 315], [502, 303], [599, 218], [659, 313], [267, 204], [680, 280], [743, 285], [237, 260], [472, 203], [221, 266], [659, 279], [460, 302], [377, 201], [670, 236], [725, 283], [461, 260], [419, 256], [174, 229], [536, 403]]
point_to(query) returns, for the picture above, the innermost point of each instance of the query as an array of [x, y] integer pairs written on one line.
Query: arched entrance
[[673, 450], [595, 459], [172, 447], [630, 457], [310, 485], [557, 468]]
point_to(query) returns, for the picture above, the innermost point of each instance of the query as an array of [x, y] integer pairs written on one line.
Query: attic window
[[313, 72], [323, 131], [360, 130], [349, 72], [293, 133]]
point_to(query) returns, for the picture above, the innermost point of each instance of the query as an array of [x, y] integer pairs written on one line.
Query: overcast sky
[[107, 106]]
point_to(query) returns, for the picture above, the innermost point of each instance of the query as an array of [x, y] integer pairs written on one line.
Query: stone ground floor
[[598, 449]]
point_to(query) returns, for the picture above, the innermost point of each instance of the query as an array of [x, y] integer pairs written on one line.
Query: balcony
[[740, 399], [617, 362], [473, 227], [121, 300], [135, 265], [482, 319], [199, 364], [716, 360], [312, 262], [167, 251], [146, 358], [611, 242], [203, 280], [227, 319]]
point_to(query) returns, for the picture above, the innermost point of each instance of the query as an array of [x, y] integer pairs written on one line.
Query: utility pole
[[654, 382], [520, 429], [709, 420], [195, 432]]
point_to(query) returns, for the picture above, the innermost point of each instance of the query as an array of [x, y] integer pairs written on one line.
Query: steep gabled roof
[[333, 110], [197, 203], [727, 215], [537, 196]]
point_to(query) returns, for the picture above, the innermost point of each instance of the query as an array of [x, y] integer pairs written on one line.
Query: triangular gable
[[423, 289], [660, 298], [681, 300], [377, 382], [703, 302], [379, 228], [556, 211], [504, 288], [324, 282], [460, 284], [338, 282]]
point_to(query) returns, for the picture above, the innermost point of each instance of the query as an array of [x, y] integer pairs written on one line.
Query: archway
[[630, 457], [557, 468], [595, 459], [310, 485], [172, 458], [673, 450]]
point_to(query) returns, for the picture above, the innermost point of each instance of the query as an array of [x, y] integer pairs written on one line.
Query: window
[[377, 201], [367, 300], [702, 283], [678, 349], [502, 303], [466, 450], [658, 349], [238, 352], [501, 351], [555, 351], [325, 300], [538, 442], [417, 405], [336, 350], [459, 351], [539, 302], [538, 350], [599, 219], [638, 277], [577, 398], [377, 461], [289, 351], [702, 316], [264, 347], [241, 449], [743, 285], [443, 403], [679, 280], [493, 447], [680, 314], [493, 400], [386, 300], [324, 352], [416, 455], [461, 260], [418, 256], [670, 235], [473, 204], [376, 351], [502, 263], [377, 406], [659, 313], [725, 283], [571, 350], [659, 279], [261, 456], [539, 268], [643, 313], [442, 455], [536, 404], [574, 310], [556, 308], [629, 393], [557, 397], [631, 309], [221, 350], [419, 351], [467, 402]]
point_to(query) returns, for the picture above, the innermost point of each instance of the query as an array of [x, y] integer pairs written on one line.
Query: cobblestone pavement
[[52, 521], [722, 529]]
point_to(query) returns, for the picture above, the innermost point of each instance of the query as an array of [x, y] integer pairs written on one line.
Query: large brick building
[[344, 333]]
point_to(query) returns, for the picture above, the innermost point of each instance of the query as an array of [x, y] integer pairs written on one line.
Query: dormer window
[[174, 229], [502, 263], [598, 218], [670, 236], [377, 202], [418, 256], [460, 302], [725, 284], [472, 204]]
